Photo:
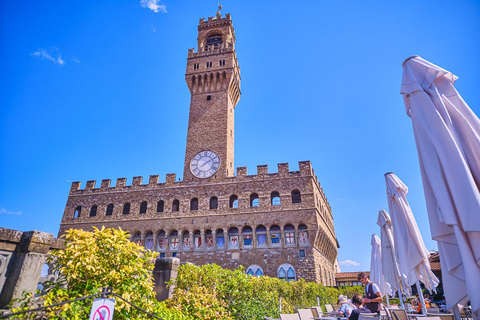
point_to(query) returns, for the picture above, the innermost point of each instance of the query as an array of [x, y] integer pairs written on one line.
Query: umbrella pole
[[420, 295], [388, 300], [400, 294]]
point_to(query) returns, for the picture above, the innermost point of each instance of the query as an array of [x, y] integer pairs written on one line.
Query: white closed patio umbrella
[[410, 249], [390, 269], [376, 274], [447, 135]]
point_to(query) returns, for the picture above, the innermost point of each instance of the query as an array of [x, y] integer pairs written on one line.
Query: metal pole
[[280, 302], [318, 301], [400, 294]]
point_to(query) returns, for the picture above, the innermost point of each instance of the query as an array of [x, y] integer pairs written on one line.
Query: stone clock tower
[[213, 77]]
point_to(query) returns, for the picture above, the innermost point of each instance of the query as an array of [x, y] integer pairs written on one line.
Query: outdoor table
[[333, 314]]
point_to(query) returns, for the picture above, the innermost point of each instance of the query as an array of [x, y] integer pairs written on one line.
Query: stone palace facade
[[278, 224]]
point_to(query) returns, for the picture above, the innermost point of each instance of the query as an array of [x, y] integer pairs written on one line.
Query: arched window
[[161, 241], [126, 208], [208, 239], [233, 238], [247, 235], [143, 207], [137, 238], [173, 239], [194, 204], [213, 203], [254, 201], [296, 197], [149, 242], [289, 233], [220, 239], [78, 211], [186, 240], [286, 272], [160, 205], [275, 235], [93, 211], [254, 270], [214, 39], [233, 201], [175, 205], [261, 233], [109, 210], [197, 239], [275, 198], [302, 234]]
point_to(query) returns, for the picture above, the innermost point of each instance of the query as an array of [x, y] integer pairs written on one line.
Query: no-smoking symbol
[[102, 313], [102, 309]]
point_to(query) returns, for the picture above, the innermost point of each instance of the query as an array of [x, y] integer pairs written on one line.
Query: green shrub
[[248, 297]]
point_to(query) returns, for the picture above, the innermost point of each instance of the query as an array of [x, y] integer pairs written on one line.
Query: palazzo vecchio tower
[[278, 224]]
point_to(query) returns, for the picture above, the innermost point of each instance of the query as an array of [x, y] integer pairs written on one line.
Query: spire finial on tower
[[219, 8]]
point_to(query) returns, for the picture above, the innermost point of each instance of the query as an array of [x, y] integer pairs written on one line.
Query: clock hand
[[205, 163]]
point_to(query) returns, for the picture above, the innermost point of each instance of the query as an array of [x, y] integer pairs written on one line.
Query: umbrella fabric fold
[[390, 269], [447, 136], [376, 274], [410, 249]]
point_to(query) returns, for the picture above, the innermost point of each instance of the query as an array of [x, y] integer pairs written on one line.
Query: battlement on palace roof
[[305, 170]]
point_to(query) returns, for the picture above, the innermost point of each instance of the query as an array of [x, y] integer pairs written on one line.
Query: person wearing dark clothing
[[373, 297], [357, 300]]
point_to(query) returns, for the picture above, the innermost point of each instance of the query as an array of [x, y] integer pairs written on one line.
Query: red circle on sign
[[101, 317]]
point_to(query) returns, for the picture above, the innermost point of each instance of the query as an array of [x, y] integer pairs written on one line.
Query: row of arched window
[[285, 272], [221, 239], [213, 204]]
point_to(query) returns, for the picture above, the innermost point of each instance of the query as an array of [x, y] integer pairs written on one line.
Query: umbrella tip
[[388, 173], [411, 57]]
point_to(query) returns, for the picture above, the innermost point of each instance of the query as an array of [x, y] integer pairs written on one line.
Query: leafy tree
[[102, 258]]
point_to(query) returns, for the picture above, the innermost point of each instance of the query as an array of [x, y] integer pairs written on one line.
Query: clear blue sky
[[95, 90]]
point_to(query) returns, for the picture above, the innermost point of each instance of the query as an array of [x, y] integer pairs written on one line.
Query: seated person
[[419, 304], [346, 307], [357, 300]]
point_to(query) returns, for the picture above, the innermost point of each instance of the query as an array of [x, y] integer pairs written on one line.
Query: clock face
[[205, 164]]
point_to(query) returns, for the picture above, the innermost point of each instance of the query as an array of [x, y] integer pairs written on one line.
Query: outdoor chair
[[398, 314], [388, 311], [442, 316], [317, 312], [335, 306], [383, 315], [305, 314], [293, 316], [329, 308]]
